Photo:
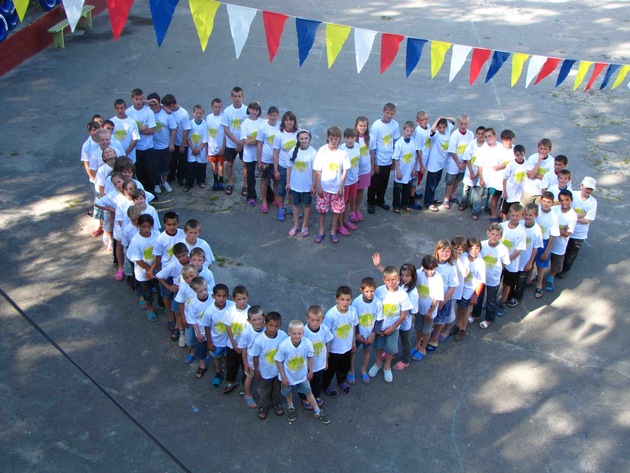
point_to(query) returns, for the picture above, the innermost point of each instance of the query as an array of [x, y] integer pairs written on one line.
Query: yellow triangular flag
[[581, 73], [203, 12], [336, 36], [20, 7], [438, 51], [621, 76], [518, 59]]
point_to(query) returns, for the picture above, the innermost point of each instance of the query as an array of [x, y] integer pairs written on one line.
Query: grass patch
[[223, 262], [14, 153]]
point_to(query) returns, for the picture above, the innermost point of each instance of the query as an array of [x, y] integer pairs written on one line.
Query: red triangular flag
[[479, 58], [599, 67], [118, 13], [389, 48], [274, 24], [548, 67]]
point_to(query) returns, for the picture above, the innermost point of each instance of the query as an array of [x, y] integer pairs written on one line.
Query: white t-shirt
[[126, 131], [201, 243], [533, 186], [232, 119], [250, 129], [438, 156], [185, 295], [149, 210], [128, 233], [91, 153], [101, 177], [236, 319], [548, 180], [183, 123], [548, 223], [449, 276], [302, 169], [476, 275], [488, 156], [215, 318], [247, 340], [267, 135], [295, 359], [143, 117], [513, 239], [365, 166], [495, 258], [331, 164], [342, 328], [173, 269], [164, 124], [369, 313], [462, 268], [216, 135], [555, 190], [141, 249], [429, 290], [198, 135], [405, 154], [567, 221], [354, 154], [284, 141], [194, 310], [514, 175], [413, 298], [394, 304], [319, 340], [457, 144], [165, 243], [583, 208], [471, 155], [422, 138], [382, 138], [265, 349], [534, 241]]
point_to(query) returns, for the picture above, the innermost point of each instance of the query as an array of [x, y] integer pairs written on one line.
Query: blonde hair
[[296, 324], [443, 245]]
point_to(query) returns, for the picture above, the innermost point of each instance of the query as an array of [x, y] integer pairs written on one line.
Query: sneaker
[[512, 302], [216, 186], [374, 370], [182, 339], [371, 209], [281, 214], [500, 309], [322, 416], [157, 190], [389, 377], [167, 187], [292, 414]]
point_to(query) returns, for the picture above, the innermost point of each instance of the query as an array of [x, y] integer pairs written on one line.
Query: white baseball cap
[[589, 183]]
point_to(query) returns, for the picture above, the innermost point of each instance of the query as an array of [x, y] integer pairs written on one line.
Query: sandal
[[319, 238], [278, 410], [461, 207], [475, 217], [396, 210], [264, 209], [228, 190], [189, 359], [351, 379], [433, 208], [549, 286], [360, 216], [446, 205], [400, 365], [307, 405], [262, 413], [365, 378], [331, 392], [244, 191], [334, 238], [343, 230], [251, 203], [228, 386], [354, 218], [417, 356], [539, 293], [294, 232], [152, 316], [185, 189], [251, 402], [200, 372], [485, 324], [345, 388], [202, 185], [305, 232], [216, 381], [432, 346]]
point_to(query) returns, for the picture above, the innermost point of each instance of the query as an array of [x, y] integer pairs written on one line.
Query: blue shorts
[[175, 307], [166, 294], [282, 184], [366, 346], [201, 350], [219, 352], [464, 303], [444, 315], [191, 338], [389, 343], [421, 325], [303, 388], [300, 198], [539, 263]]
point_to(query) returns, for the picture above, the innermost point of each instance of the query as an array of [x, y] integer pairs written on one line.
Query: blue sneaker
[[500, 309], [281, 214]]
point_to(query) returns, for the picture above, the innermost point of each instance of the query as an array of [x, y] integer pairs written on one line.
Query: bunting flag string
[[73, 9], [203, 13]]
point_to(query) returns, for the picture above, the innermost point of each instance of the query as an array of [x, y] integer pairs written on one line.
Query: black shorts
[[509, 278], [231, 154], [505, 207]]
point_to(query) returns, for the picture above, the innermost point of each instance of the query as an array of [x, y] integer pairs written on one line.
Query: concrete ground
[[545, 389]]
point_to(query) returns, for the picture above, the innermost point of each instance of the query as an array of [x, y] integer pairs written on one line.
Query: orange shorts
[[217, 158]]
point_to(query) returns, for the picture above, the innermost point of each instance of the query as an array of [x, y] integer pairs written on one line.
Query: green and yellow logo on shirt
[[423, 291], [270, 355], [299, 166], [195, 138], [220, 327], [343, 331], [120, 134], [237, 329], [363, 151], [354, 162], [236, 124], [387, 140], [147, 254], [213, 132], [444, 146], [390, 310], [508, 244], [490, 261], [520, 176], [407, 158], [366, 320], [461, 148], [318, 348], [333, 167], [289, 145], [296, 363]]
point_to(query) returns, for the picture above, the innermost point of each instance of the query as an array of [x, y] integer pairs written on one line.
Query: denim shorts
[[303, 388], [219, 352], [422, 325], [389, 343], [191, 338], [166, 294], [300, 198], [282, 184], [444, 316]]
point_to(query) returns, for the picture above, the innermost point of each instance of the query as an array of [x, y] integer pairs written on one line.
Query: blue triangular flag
[[306, 30], [498, 59], [567, 64], [609, 72], [162, 14], [414, 51]]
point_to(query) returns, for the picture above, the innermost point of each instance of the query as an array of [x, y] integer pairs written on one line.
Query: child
[[490, 166], [284, 141], [563, 182], [436, 159], [102, 174], [513, 178], [473, 191], [295, 364], [213, 323], [422, 138], [383, 134], [370, 313], [534, 240], [192, 229], [182, 298], [197, 150], [253, 330], [536, 166], [114, 142], [321, 337], [366, 164], [194, 333], [140, 252], [495, 255], [300, 181], [216, 143], [266, 136], [125, 129], [139, 198], [567, 219], [430, 294], [474, 283], [396, 305], [456, 166], [167, 240], [165, 132], [462, 268], [515, 240], [91, 156], [547, 220], [145, 122], [266, 369], [404, 159], [248, 134], [352, 181], [550, 178], [168, 277], [235, 322], [179, 143], [329, 174], [446, 268], [585, 207], [233, 116], [340, 320]]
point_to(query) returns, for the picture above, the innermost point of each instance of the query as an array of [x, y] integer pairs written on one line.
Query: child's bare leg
[[248, 387], [418, 340], [230, 168], [217, 365], [424, 340], [322, 221], [437, 329], [169, 311], [365, 360], [454, 189], [311, 398], [540, 277], [359, 200], [379, 358], [120, 257], [505, 292], [264, 185], [335, 223], [296, 218], [447, 192], [388, 361], [493, 205], [307, 216], [351, 370]]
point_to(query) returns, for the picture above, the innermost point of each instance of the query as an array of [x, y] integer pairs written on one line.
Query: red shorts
[[364, 181], [350, 192], [327, 202], [216, 159]]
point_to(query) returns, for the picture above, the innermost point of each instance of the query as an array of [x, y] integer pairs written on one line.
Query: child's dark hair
[[254, 310], [145, 218], [114, 174], [289, 115], [96, 117], [109, 122], [273, 109], [389, 106], [216, 100], [473, 241], [153, 96], [170, 216], [349, 133], [297, 146], [547, 195], [545, 142], [442, 121], [236, 90], [273, 317], [198, 107], [480, 128], [137, 92], [168, 100], [366, 135], [564, 172], [196, 251], [122, 163], [240, 291], [409, 124], [507, 135], [519, 149], [531, 207], [413, 272], [343, 291], [333, 132], [254, 106], [192, 224], [429, 262], [92, 125], [180, 248], [137, 194], [458, 241], [120, 102], [220, 287], [561, 158], [566, 193], [368, 282]]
